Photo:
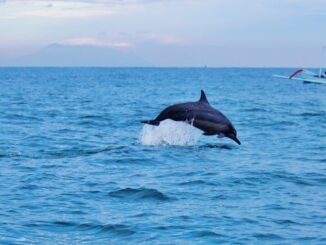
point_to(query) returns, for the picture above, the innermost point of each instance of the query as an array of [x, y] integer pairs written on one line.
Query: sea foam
[[169, 133]]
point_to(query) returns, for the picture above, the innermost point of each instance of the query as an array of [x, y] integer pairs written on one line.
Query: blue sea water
[[77, 166]]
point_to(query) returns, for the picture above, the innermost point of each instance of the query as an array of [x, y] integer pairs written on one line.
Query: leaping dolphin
[[201, 115]]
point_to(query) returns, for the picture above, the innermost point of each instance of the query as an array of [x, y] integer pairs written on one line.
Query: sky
[[217, 33]]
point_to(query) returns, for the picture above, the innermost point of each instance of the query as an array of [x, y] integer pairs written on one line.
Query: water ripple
[[64, 226], [77, 166]]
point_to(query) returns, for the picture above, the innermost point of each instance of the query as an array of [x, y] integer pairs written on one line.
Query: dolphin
[[201, 115]]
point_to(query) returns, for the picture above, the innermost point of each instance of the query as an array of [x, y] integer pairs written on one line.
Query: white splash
[[169, 133]]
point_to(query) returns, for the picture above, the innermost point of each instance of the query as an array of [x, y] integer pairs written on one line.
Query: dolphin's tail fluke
[[152, 122]]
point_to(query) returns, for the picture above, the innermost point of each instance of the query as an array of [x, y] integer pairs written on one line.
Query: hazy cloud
[[163, 38], [51, 9], [67, 13], [113, 2], [95, 42], [317, 12]]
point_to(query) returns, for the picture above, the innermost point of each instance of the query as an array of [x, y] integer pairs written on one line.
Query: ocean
[[77, 166]]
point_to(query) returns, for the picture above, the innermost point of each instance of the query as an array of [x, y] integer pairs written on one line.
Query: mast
[[321, 61]]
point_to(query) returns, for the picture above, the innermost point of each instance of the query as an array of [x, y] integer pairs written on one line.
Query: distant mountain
[[167, 55], [81, 55]]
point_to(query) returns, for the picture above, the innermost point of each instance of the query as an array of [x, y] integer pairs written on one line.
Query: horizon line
[[164, 67]]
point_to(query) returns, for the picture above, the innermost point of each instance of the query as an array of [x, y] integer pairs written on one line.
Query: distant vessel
[[308, 76]]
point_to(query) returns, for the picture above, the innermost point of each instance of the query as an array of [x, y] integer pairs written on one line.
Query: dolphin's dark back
[[192, 110]]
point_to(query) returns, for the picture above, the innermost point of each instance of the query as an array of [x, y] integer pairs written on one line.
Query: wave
[[255, 109], [286, 222], [94, 117], [193, 182], [118, 229], [263, 178], [219, 146], [169, 133], [313, 114], [139, 194], [268, 236], [77, 151], [23, 118], [114, 228], [74, 152], [206, 233]]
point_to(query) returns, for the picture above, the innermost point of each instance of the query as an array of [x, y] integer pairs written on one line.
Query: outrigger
[[308, 76]]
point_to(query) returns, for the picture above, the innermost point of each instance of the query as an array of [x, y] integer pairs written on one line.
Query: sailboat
[[308, 76]]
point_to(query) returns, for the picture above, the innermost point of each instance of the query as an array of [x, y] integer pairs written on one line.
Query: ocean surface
[[77, 166]]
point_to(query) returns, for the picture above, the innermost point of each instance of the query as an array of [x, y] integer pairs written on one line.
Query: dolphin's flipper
[[152, 122], [221, 135], [203, 97], [208, 134]]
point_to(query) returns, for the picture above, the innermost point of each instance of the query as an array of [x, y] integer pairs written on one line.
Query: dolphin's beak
[[236, 140], [233, 137]]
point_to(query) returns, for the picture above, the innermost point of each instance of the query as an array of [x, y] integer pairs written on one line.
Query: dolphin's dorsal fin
[[203, 97]]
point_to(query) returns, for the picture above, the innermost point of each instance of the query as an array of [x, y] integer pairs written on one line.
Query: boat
[[308, 76]]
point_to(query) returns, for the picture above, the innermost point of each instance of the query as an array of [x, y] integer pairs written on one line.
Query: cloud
[[65, 8], [317, 12], [48, 5], [95, 42], [113, 2], [164, 38], [68, 13], [53, 9], [58, 14]]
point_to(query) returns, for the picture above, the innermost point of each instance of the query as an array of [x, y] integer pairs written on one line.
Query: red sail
[[295, 73]]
